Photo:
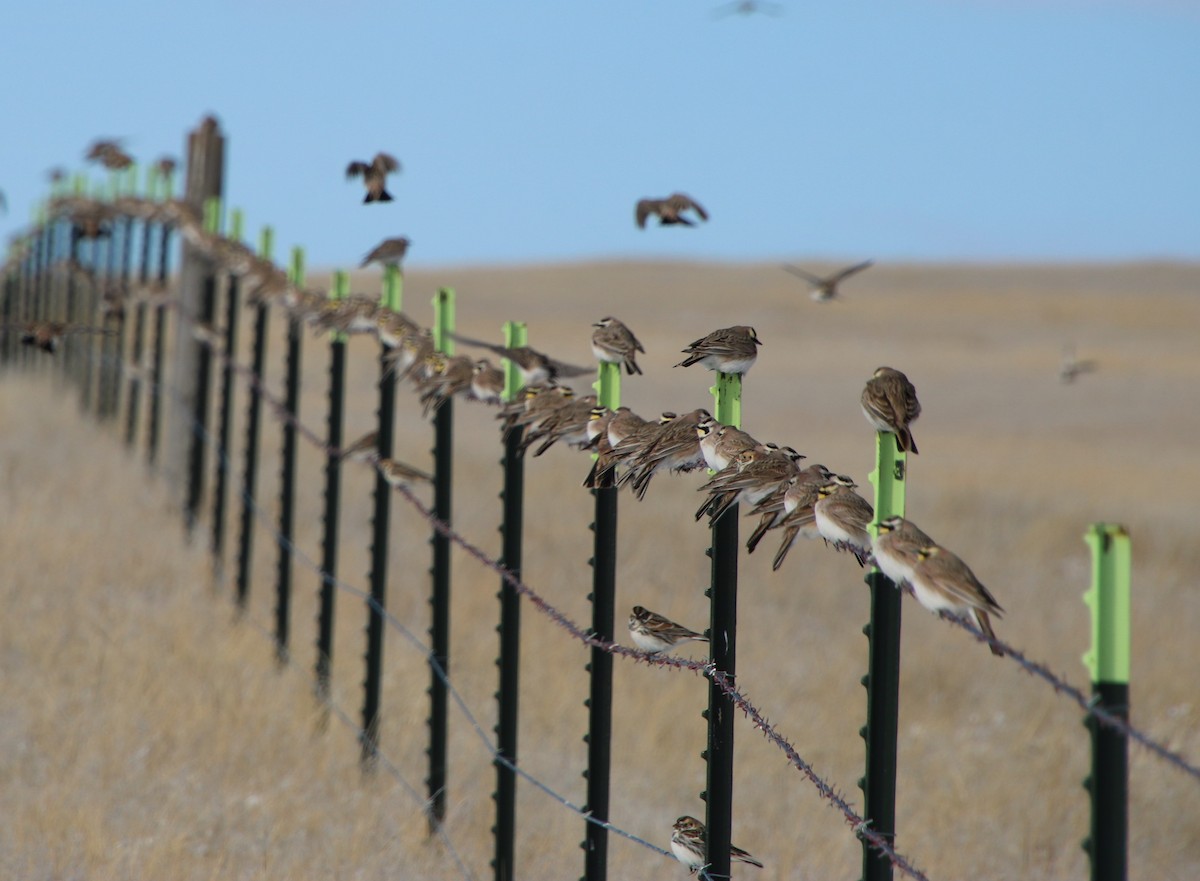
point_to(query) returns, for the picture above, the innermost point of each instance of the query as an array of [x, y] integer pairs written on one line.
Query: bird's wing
[[696, 206], [645, 207], [385, 162], [355, 168], [491, 347], [800, 273], [850, 270]]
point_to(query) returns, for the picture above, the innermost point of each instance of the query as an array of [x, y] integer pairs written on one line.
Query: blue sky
[[897, 130]]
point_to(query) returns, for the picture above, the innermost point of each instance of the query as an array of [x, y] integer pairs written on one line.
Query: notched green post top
[[266, 243], [443, 320], [212, 214], [339, 289], [1109, 599], [727, 399], [608, 385], [889, 478], [236, 224], [296, 270], [515, 335], [393, 289]]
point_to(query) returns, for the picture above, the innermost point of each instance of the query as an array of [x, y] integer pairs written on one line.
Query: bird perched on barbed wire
[[365, 449], [535, 367], [825, 287], [944, 584], [727, 350], [389, 252], [655, 634], [374, 175], [689, 843], [1071, 367], [889, 401], [397, 473], [45, 335], [669, 210], [109, 153], [615, 343]]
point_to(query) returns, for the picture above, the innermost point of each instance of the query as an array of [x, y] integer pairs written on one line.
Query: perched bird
[[365, 449], [109, 153], [615, 343], [675, 446], [889, 401], [621, 425], [397, 473], [653, 633], [825, 287], [568, 424], [944, 584], [389, 252], [774, 509], [454, 376], [669, 210], [728, 350], [752, 476], [896, 548], [45, 335], [1071, 368], [720, 444], [842, 516], [799, 520], [166, 166], [374, 176], [487, 383], [689, 843], [534, 366]]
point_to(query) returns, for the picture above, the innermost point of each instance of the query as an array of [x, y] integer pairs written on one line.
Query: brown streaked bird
[[365, 449], [534, 366], [669, 210], [689, 843], [534, 404], [654, 634], [720, 444], [374, 175], [674, 447], [773, 510], [727, 350], [389, 252], [896, 548], [799, 521], [621, 424], [454, 378], [889, 401], [842, 516], [752, 476], [487, 384], [568, 424], [615, 343], [45, 335], [825, 287], [110, 153], [397, 473], [945, 585]]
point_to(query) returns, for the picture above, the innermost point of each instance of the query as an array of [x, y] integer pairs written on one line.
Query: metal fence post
[[202, 379], [253, 426], [439, 628], [718, 794], [160, 334], [513, 499], [138, 346], [287, 477], [1108, 662], [882, 681], [225, 406], [600, 665], [339, 290], [392, 298]]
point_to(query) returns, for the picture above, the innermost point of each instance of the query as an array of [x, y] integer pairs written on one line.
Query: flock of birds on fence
[[768, 480]]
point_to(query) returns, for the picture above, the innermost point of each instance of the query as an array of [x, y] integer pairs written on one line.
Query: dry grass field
[[146, 732]]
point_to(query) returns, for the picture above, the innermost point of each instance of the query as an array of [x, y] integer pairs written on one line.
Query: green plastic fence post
[[393, 289], [883, 677], [212, 214], [1108, 662], [515, 335], [236, 224], [339, 290], [266, 243], [608, 385], [727, 399], [443, 320]]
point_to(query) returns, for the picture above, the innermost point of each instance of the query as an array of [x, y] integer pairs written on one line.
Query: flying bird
[[389, 252], [535, 367], [374, 176], [45, 335], [825, 287], [1071, 367], [669, 210]]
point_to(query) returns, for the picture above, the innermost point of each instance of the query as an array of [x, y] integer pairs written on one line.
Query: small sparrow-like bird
[[535, 367], [728, 350], [653, 633], [944, 584], [825, 287], [669, 210], [842, 516], [487, 384], [675, 446], [889, 401], [397, 473], [896, 548], [720, 444], [45, 335], [615, 343], [365, 449], [389, 252], [109, 153], [774, 509], [374, 175], [689, 843]]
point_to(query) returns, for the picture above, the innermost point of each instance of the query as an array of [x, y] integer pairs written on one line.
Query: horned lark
[[389, 252], [568, 424], [751, 477], [374, 176], [615, 343], [674, 447], [799, 521], [944, 584], [728, 350], [800, 488], [669, 210], [109, 153], [825, 287], [365, 449], [537, 402], [896, 546], [392, 327], [721, 443], [622, 425], [655, 634], [534, 366], [45, 335], [453, 376], [397, 473], [487, 383], [889, 401], [842, 516], [689, 843], [414, 348]]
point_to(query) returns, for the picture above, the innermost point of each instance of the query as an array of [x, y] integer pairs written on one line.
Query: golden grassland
[[146, 732]]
